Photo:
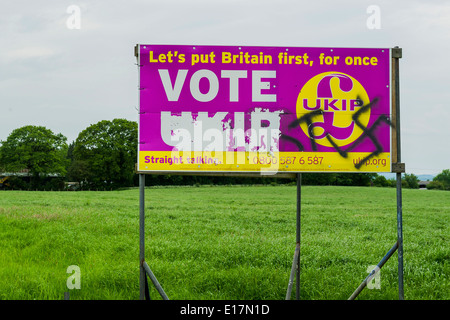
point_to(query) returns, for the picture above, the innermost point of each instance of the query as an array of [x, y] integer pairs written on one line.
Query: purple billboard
[[264, 109]]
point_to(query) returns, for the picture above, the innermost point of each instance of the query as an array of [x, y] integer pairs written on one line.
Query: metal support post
[[401, 294], [299, 199], [144, 268], [142, 276], [397, 54], [295, 269]]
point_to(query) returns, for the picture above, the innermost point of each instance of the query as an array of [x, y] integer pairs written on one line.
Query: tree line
[[103, 157]]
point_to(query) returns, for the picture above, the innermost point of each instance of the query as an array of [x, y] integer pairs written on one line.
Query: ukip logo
[[338, 96]]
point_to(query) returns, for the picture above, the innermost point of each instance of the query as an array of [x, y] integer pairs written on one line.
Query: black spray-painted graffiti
[[367, 132]]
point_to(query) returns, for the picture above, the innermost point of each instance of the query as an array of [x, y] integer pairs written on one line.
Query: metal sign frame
[[397, 166]]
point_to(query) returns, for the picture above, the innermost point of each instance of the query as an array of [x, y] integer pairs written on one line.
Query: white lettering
[[213, 85], [172, 91], [258, 85], [234, 76]]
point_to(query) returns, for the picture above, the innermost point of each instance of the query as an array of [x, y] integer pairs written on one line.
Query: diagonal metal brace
[[372, 273], [155, 281], [293, 269]]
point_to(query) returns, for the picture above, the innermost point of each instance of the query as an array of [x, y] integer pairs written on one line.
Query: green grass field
[[222, 242]]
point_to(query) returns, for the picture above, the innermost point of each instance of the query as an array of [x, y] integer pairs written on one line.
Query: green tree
[[35, 148], [318, 179], [444, 178], [104, 154], [438, 185], [381, 181], [392, 182], [412, 181], [355, 179], [79, 171]]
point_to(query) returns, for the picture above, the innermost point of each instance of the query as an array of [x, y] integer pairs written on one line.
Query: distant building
[[23, 174], [423, 184]]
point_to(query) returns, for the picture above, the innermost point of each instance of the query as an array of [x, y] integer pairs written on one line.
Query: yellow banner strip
[[262, 161]]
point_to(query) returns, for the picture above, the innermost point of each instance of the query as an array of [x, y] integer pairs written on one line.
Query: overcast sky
[[67, 79]]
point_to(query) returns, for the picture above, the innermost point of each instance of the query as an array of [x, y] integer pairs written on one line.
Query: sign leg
[[142, 275], [299, 199]]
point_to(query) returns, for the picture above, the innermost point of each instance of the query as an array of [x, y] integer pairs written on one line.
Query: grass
[[222, 242]]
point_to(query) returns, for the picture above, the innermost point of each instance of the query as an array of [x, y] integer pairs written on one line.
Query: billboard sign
[[264, 109]]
